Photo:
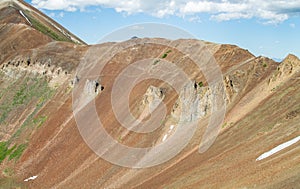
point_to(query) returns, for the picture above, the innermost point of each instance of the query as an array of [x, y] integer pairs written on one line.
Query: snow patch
[[59, 29], [30, 178], [25, 17], [165, 137], [75, 40], [65, 33], [278, 148], [172, 127]]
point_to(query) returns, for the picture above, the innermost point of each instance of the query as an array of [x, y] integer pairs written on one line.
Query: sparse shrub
[[120, 139], [200, 84], [39, 121], [8, 172], [156, 62], [20, 96], [164, 55]]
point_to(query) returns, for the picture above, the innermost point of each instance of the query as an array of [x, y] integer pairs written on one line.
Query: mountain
[[33, 17], [42, 145]]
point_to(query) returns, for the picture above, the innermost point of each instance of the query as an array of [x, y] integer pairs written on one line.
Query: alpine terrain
[[41, 145]]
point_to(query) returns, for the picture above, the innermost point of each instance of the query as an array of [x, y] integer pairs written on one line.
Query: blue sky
[[268, 28]]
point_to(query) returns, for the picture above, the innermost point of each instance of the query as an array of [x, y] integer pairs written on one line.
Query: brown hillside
[[39, 135]]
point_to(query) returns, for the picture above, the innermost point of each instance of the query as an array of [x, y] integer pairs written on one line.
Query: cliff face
[[40, 139]]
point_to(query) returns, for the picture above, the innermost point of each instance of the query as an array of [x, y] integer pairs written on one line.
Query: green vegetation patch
[[46, 30], [12, 153], [8, 172], [200, 84], [40, 120], [28, 90], [17, 153], [156, 62], [166, 54], [31, 121], [21, 96], [5, 151], [6, 183]]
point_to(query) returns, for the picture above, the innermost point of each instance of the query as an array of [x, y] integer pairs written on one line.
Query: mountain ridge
[[41, 22]]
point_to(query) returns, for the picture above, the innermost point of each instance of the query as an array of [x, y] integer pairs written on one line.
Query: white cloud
[[137, 27], [292, 25], [59, 15], [270, 11], [231, 16], [52, 14], [196, 19]]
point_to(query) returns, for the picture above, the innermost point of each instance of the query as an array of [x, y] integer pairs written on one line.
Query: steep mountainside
[[41, 146]]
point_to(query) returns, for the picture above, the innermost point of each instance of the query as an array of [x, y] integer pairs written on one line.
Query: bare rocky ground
[[38, 132]]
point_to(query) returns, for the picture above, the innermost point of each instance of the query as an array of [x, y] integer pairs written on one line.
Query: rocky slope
[[38, 131]]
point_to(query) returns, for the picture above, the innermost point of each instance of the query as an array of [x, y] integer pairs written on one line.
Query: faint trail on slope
[[57, 134], [250, 101], [233, 68], [87, 163], [61, 126], [26, 163], [47, 144], [132, 173]]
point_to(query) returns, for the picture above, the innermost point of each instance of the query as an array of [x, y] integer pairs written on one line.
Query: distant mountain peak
[[291, 57]]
